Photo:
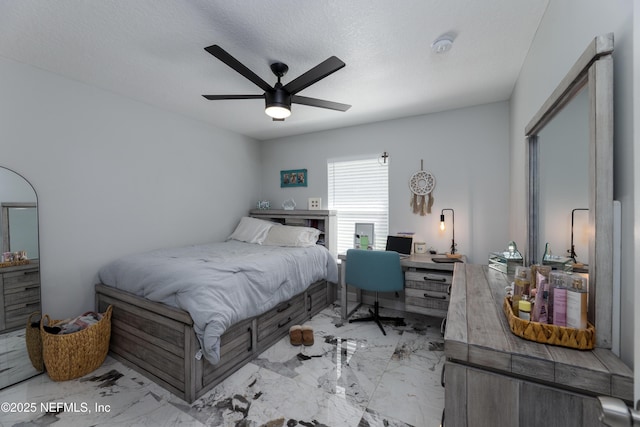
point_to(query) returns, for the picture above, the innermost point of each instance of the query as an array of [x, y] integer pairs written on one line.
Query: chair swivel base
[[375, 316]]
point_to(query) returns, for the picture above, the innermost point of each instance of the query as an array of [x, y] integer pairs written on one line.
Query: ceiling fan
[[278, 98]]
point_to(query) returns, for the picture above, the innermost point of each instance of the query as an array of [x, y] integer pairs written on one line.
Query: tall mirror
[[570, 177], [563, 178], [19, 275]]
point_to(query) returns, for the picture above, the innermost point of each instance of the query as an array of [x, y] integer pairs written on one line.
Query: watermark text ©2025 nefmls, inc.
[[54, 407]]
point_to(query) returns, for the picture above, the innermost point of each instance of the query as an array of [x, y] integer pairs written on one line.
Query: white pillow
[[287, 235], [251, 230]]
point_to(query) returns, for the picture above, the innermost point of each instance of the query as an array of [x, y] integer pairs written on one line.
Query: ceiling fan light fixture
[[278, 103], [277, 111]]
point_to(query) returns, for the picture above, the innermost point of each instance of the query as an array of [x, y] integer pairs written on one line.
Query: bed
[[189, 317]]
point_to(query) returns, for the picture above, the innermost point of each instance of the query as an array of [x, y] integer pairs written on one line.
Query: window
[[359, 191]]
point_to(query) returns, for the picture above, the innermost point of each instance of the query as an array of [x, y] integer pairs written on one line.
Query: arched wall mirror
[[570, 178], [19, 274]]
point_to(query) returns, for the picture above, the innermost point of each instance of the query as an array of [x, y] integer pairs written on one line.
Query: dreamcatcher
[[421, 185]]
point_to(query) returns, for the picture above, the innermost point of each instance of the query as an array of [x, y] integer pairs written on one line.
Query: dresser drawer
[[19, 280], [17, 315], [20, 287], [274, 322], [23, 296]]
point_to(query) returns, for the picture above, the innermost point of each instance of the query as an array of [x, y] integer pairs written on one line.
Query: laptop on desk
[[401, 245]]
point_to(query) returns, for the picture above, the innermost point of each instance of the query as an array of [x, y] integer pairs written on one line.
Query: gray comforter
[[220, 284]]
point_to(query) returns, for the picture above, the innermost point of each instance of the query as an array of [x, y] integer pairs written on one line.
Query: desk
[[416, 264]]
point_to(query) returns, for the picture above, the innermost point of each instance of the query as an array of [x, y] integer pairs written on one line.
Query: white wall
[[567, 27], [14, 188], [467, 151], [115, 176]]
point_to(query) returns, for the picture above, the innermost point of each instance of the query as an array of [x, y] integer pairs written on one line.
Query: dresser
[[19, 295], [495, 378]]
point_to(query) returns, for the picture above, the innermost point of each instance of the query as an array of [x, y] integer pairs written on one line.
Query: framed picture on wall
[[293, 178]]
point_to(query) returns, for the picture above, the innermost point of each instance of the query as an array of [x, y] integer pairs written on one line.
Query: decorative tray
[[581, 339], [14, 263]]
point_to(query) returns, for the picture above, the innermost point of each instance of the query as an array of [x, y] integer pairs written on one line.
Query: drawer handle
[[310, 302], [449, 290], [435, 279], [25, 305], [29, 272], [280, 325], [250, 331], [442, 375], [426, 295], [281, 309]]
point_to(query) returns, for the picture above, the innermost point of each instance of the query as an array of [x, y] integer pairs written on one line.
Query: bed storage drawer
[[236, 344], [273, 324], [159, 342], [317, 298], [151, 341]]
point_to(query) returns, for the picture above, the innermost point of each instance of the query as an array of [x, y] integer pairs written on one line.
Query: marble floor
[[13, 354], [352, 376]]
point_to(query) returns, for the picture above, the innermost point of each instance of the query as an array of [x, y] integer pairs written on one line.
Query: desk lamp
[[453, 228], [572, 251]]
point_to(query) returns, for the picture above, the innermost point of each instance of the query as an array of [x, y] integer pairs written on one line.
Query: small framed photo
[[293, 178]]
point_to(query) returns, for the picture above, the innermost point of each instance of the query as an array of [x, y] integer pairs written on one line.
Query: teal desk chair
[[377, 271]]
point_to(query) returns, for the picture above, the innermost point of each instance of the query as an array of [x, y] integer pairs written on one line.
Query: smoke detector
[[442, 44]]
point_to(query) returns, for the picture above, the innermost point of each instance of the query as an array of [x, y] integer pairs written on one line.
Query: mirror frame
[[30, 371], [594, 69]]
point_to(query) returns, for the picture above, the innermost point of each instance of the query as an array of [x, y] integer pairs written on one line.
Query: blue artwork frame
[[293, 178]]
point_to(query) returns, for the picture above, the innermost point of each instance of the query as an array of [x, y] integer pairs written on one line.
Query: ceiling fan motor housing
[[278, 97]]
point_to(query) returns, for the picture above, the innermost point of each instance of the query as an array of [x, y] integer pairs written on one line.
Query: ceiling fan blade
[[232, 62], [315, 74], [214, 97], [315, 102]]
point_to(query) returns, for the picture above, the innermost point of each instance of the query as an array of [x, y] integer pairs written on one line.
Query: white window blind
[[359, 192]]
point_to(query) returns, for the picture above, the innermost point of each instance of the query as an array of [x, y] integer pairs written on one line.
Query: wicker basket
[[6, 264], [581, 339], [70, 356], [34, 342]]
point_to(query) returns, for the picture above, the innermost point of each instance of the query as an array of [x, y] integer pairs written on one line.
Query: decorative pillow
[[288, 235], [251, 230]]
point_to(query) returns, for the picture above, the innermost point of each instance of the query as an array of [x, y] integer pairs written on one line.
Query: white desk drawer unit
[[427, 291]]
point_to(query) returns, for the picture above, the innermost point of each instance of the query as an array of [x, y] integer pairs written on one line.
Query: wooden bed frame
[[159, 342]]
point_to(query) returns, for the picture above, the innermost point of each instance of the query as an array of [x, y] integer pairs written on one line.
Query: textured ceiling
[[153, 51]]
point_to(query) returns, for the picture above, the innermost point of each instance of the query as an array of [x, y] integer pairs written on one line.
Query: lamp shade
[[277, 112]]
